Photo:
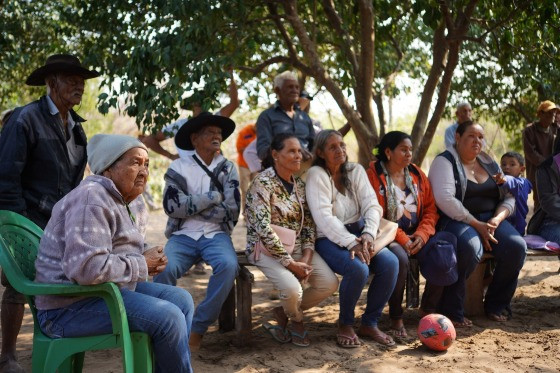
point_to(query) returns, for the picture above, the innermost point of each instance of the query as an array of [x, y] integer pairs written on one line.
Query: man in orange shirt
[[246, 135]]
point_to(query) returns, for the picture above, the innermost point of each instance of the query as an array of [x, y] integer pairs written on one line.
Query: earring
[[388, 157]]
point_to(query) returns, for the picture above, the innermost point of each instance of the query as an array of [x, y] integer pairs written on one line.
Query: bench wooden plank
[[475, 285]]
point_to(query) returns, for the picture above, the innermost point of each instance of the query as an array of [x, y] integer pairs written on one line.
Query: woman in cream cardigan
[[347, 214]]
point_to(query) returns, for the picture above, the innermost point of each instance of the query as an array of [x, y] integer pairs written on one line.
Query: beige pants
[[294, 298]]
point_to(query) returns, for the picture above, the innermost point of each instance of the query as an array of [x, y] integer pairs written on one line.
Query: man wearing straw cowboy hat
[[42, 158]]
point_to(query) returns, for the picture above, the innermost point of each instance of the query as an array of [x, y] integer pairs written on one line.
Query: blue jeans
[[182, 252], [355, 273], [395, 301], [550, 230], [164, 312], [509, 254]]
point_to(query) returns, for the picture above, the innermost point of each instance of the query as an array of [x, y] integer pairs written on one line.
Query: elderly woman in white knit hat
[[96, 235]]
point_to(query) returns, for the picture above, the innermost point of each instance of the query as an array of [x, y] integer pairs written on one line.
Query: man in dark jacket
[[42, 158]]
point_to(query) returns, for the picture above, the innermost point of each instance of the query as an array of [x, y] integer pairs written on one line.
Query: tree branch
[[260, 67], [444, 7], [336, 22]]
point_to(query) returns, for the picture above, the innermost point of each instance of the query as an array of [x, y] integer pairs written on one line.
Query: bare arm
[[153, 142], [228, 110]]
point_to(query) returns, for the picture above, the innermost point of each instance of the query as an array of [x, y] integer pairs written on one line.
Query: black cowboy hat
[[60, 63], [305, 94], [183, 136]]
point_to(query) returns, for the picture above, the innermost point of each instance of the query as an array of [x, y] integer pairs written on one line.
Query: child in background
[[513, 165]]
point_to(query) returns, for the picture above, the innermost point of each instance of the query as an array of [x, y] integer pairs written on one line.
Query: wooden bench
[[236, 310], [241, 299], [475, 286]]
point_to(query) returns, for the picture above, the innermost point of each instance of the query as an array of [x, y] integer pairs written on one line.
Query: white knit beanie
[[103, 150]]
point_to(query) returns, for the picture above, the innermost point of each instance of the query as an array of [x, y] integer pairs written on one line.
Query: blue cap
[[438, 259]]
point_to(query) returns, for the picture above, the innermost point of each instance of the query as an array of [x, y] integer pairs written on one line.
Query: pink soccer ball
[[436, 332]]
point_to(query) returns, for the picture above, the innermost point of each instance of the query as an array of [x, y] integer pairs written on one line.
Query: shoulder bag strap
[[213, 177], [300, 206]]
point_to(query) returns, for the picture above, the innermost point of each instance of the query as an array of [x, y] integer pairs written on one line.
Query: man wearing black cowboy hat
[[201, 198], [42, 158]]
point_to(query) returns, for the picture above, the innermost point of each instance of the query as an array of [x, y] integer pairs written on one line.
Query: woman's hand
[[416, 243], [486, 232], [301, 270], [359, 251], [155, 259], [306, 257]]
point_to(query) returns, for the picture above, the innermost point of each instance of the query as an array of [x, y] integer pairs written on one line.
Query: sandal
[[302, 342], [277, 332], [399, 332], [354, 341]]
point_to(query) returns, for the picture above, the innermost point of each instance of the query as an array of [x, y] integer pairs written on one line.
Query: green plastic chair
[[19, 242]]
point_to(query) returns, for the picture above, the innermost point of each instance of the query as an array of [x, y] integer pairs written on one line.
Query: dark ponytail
[[278, 143]]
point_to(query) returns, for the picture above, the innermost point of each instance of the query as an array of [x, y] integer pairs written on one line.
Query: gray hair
[[463, 104], [281, 78]]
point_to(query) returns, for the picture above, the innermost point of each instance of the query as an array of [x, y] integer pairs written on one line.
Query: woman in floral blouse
[[277, 197], [405, 194]]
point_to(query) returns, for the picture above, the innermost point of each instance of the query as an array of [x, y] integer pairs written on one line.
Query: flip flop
[[280, 334], [301, 337], [399, 332], [355, 341]]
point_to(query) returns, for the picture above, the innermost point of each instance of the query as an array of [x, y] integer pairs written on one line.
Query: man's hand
[[155, 259]]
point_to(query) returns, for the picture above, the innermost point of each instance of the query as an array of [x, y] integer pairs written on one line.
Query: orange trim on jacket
[[427, 210], [246, 136]]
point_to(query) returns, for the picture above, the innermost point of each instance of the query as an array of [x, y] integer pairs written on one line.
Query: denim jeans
[[182, 252], [164, 312], [395, 301], [550, 230], [509, 254], [354, 274]]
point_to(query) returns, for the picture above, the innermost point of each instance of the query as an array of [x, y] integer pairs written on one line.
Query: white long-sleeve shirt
[[331, 209]]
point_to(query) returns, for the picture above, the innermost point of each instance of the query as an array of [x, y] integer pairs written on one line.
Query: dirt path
[[528, 343]]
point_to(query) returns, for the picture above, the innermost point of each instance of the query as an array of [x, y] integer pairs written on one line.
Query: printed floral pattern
[[407, 209], [268, 202]]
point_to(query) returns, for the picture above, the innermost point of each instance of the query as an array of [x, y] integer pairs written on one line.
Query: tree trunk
[[378, 99], [444, 88], [440, 50]]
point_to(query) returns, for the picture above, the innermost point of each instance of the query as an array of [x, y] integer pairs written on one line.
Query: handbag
[[386, 234], [286, 235]]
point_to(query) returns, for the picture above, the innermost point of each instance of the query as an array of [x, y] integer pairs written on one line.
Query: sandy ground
[[528, 343]]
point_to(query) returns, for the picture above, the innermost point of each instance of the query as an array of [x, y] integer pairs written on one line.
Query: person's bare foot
[[497, 318], [397, 328], [195, 341], [377, 335], [280, 317], [9, 364], [466, 323], [346, 337]]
